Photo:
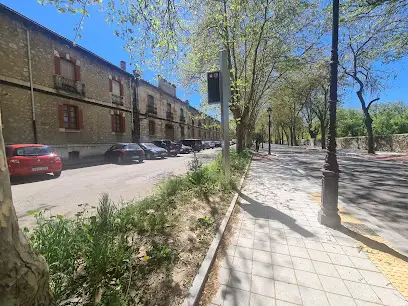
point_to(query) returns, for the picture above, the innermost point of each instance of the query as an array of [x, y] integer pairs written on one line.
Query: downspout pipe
[[30, 72]]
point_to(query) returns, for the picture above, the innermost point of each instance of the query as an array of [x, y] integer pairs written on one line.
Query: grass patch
[[139, 253]]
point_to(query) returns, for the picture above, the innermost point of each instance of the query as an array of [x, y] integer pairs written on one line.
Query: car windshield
[[133, 146], [149, 145], [33, 151]]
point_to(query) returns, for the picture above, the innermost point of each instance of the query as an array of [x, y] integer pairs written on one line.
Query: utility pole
[[226, 96], [328, 215]]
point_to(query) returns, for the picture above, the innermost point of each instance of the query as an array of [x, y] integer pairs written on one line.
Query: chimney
[[123, 65]]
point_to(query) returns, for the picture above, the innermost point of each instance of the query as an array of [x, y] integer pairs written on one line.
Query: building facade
[[55, 92]]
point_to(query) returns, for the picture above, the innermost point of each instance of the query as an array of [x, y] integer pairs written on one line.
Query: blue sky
[[98, 37]]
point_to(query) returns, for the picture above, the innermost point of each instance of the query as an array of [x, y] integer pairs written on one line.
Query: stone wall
[[388, 143]]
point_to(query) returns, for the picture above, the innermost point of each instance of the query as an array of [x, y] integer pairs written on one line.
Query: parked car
[[195, 144], [218, 144], [171, 147], [28, 159], [185, 149], [153, 151], [206, 145], [211, 144], [125, 152]]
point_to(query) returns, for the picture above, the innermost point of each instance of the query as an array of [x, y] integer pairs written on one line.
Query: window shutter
[[121, 88], [77, 73], [123, 126], [113, 122], [110, 85], [61, 115], [57, 64], [80, 121]]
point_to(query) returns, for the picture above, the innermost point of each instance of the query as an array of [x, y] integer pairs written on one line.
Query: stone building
[[164, 116], [55, 92]]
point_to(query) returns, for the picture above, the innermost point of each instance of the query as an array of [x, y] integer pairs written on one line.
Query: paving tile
[[287, 292], [355, 252], [218, 298], [364, 264], [333, 248], [346, 241], [276, 232], [349, 273], [339, 300], [333, 285], [308, 279], [242, 265], [236, 297], [319, 256], [295, 241], [262, 256], [376, 279], [262, 245], [280, 248], [314, 245], [362, 292], [326, 238], [230, 251], [246, 234], [262, 228], [263, 286], [303, 264], [313, 297], [292, 233], [365, 303], [260, 300], [245, 253], [279, 239], [262, 269], [298, 251], [226, 262], [262, 236], [390, 297], [275, 224], [223, 275], [245, 242], [282, 260], [342, 260], [284, 303], [240, 280], [284, 274]]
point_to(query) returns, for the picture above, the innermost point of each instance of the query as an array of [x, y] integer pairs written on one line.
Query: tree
[[260, 37], [23, 273], [390, 118], [350, 122]]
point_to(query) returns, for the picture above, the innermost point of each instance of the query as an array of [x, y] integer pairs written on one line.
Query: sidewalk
[[280, 255]]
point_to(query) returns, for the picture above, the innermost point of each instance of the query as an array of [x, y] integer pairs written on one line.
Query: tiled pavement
[[281, 255]]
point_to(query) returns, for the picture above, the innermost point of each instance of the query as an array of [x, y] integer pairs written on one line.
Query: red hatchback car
[[28, 159]]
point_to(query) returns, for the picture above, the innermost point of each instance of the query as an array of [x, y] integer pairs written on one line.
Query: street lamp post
[[269, 130], [328, 215]]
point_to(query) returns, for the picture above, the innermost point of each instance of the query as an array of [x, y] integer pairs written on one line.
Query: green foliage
[[350, 122], [92, 256], [205, 222]]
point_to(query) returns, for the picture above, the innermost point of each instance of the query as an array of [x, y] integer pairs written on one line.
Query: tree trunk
[[287, 138], [23, 274], [369, 125], [240, 136], [323, 132]]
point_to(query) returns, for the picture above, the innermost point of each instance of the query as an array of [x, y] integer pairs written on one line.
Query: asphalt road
[[379, 188], [85, 185]]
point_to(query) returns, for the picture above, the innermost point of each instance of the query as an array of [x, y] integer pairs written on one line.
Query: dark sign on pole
[[214, 87]]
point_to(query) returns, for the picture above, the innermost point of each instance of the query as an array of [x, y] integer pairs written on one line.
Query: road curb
[[194, 294]]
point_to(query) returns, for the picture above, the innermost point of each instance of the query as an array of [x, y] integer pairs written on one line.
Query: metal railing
[[117, 99], [182, 119], [169, 115], [151, 109], [66, 84]]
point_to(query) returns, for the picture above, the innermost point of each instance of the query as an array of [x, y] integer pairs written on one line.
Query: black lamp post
[[269, 130], [328, 215]]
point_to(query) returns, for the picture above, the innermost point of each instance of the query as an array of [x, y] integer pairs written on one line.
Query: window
[[67, 69], [116, 88], [70, 116], [150, 101], [33, 151], [152, 128], [181, 112], [169, 107], [182, 132], [199, 133], [118, 123]]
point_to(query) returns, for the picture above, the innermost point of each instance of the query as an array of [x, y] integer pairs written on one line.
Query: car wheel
[[57, 174], [120, 159], [141, 160]]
